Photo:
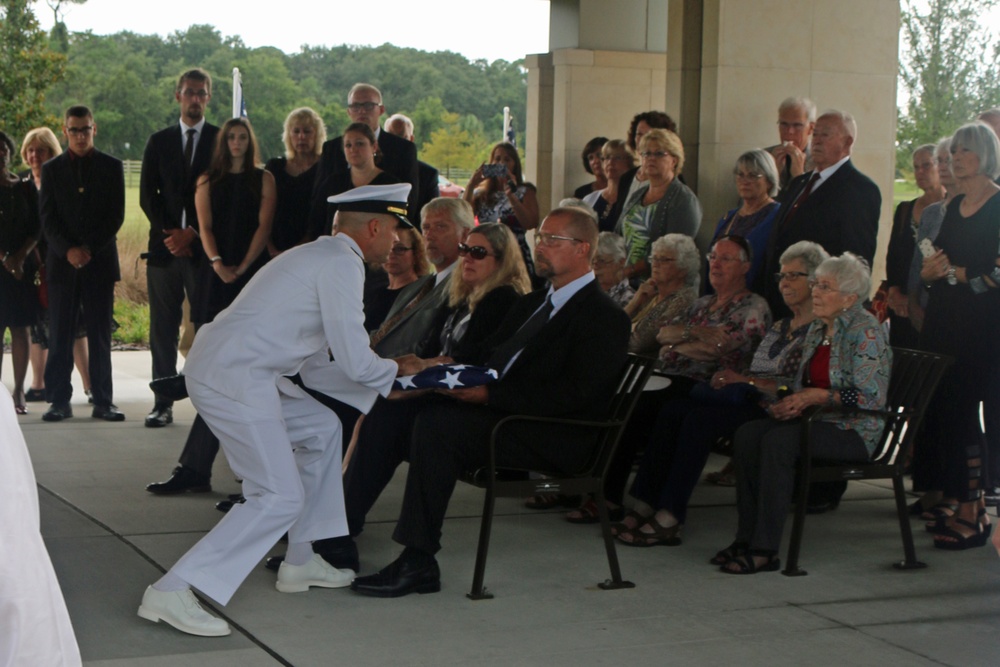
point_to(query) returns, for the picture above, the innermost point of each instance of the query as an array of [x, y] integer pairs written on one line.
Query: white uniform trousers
[[286, 446]]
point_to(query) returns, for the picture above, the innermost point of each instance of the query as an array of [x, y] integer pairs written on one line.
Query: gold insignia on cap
[[396, 210]]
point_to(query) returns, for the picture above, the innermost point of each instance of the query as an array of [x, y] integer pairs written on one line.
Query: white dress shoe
[[181, 610], [317, 572]]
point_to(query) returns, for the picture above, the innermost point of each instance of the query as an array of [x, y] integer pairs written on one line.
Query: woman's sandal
[[665, 537], [939, 512], [733, 551], [747, 565], [547, 501], [960, 542], [632, 517], [587, 513]]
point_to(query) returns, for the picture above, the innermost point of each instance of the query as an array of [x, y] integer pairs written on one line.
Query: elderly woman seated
[[609, 268], [846, 363], [719, 331], [686, 428]]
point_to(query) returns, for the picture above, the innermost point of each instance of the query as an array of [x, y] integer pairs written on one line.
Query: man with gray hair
[[796, 122], [402, 126]]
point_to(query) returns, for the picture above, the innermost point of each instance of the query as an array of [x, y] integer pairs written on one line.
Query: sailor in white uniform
[[301, 313]]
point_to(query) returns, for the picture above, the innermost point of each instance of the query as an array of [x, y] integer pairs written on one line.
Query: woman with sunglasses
[[680, 441], [491, 276], [846, 361], [661, 205], [407, 261]]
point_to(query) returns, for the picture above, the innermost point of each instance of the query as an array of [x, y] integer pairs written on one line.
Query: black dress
[[963, 324], [18, 222], [235, 217], [291, 214]]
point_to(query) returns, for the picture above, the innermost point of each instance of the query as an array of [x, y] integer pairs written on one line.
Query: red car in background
[[449, 189]]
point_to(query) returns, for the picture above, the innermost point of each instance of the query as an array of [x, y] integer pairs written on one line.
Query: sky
[[429, 25]]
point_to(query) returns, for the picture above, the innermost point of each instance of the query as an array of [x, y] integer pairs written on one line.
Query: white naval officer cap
[[387, 199]]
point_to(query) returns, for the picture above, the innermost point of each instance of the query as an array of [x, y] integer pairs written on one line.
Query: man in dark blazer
[[564, 362], [402, 126], [395, 155], [834, 205], [171, 164], [82, 208]]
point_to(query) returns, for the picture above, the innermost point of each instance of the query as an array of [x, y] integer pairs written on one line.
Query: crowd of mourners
[[778, 317]]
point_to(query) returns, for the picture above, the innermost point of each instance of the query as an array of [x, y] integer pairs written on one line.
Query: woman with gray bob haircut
[[667, 294], [609, 268], [757, 183], [810, 254]]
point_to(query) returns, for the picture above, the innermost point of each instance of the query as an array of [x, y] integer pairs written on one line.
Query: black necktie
[[503, 354], [189, 147]]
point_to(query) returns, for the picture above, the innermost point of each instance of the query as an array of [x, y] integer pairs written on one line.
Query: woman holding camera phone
[[498, 193]]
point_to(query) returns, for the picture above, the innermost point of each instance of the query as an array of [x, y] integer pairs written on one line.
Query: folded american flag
[[447, 375]]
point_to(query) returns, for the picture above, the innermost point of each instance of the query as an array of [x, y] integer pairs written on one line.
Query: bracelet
[[213, 260]]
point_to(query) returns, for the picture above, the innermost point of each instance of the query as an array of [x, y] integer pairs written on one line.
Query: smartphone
[[494, 170], [926, 247]]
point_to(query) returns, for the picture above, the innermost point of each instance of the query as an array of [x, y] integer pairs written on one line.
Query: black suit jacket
[[428, 188], [167, 188], [91, 217], [841, 215], [398, 157], [569, 369]]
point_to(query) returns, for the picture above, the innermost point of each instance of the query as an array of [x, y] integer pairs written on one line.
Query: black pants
[[168, 284]]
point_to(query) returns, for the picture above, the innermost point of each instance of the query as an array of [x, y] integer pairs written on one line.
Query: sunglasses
[[474, 251]]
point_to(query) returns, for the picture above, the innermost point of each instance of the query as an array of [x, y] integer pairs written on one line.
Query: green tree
[[59, 37], [28, 68], [948, 69], [451, 147]]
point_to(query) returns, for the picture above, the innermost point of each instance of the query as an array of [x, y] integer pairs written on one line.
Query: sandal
[[730, 553], [21, 409], [747, 565], [623, 525], [938, 512], [665, 537], [960, 542], [587, 513], [941, 526], [546, 501]]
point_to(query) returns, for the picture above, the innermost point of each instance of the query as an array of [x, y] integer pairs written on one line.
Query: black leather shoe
[[225, 505], [401, 577], [160, 416], [109, 413], [822, 507], [342, 553], [58, 412], [183, 480], [34, 395]]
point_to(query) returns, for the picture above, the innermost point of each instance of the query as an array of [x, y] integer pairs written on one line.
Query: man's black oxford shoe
[[160, 416], [58, 412], [183, 480], [401, 577], [109, 413]]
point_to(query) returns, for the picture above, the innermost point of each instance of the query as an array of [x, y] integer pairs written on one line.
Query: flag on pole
[[239, 104], [509, 133]]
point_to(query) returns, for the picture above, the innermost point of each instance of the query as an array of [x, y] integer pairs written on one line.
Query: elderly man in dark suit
[[559, 354], [171, 164], [82, 208], [834, 205], [395, 155], [402, 126]]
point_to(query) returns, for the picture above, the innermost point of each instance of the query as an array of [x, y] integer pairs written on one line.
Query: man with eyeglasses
[[82, 208], [559, 353], [796, 122], [395, 155], [173, 160]]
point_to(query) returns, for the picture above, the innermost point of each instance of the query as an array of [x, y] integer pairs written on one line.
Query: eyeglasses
[[86, 129], [661, 260], [604, 262], [474, 251], [200, 94], [401, 249], [548, 240], [790, 275], [653, 155], [822, 288], [785, 125], [358, 106], [712, 256], [747, 176]]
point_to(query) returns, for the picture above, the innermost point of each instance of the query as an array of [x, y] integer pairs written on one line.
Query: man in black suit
[[563, 362], [395, 155], [82, 208], [171, 164], [402, 126], [834, 205]]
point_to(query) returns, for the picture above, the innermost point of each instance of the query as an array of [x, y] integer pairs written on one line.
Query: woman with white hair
[[961, 321], [609, 268], [846, 363]]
